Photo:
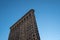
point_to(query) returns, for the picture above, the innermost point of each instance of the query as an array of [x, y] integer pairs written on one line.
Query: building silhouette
[[25, 28]]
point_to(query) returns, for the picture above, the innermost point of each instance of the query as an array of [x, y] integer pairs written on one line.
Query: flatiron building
[[25, 28]]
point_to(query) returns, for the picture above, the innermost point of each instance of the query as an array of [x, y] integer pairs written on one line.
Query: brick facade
[[25, 28]]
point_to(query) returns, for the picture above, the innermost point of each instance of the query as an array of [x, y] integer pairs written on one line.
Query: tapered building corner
[[25, 28]]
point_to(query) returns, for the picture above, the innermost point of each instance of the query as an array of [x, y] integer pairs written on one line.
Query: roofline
[[22, 17]]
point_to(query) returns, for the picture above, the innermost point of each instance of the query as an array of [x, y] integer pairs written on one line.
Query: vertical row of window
[[34, 34], [15, 33], [31, 33]]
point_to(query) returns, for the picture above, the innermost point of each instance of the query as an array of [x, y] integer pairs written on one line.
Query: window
[[19, 23], [30, 15], [27, 39], [33, 38], [27, 17], [24, 19], [29, 28], [33, 35]]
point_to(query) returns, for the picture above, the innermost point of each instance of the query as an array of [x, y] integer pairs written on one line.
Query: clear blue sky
[[47, 14]]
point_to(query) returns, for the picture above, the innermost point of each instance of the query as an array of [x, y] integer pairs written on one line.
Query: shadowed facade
[[25, 28]]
